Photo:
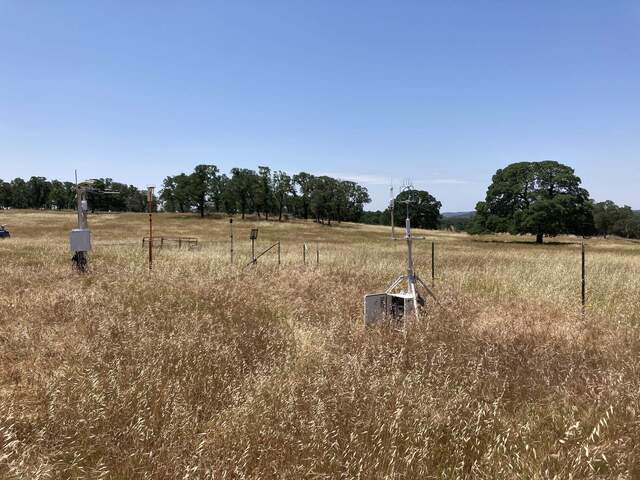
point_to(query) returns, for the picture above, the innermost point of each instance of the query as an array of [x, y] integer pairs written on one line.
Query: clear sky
[[443, 93]]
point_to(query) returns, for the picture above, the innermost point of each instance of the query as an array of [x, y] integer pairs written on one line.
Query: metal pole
[[78, 201], [278, 253], [393, 207], [149, 203], [584, 280], [317, 253], [253, 250], [433, 264], [409, 250], [231, 239], [304, 253]]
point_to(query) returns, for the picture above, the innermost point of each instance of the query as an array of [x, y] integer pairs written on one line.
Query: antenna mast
[[392, 304], [393, 207]]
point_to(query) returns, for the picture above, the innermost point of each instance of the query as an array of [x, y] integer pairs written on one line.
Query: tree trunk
[[539, 238]]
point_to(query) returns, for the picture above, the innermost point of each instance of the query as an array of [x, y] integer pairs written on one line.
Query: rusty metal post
[[304, 253], [278, 252], [317, 253]]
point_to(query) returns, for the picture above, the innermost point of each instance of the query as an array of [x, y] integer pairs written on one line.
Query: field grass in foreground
[[203, 370]]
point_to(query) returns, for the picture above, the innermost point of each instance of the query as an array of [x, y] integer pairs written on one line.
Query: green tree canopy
[[423, 208], [609, 217], [540, 198]]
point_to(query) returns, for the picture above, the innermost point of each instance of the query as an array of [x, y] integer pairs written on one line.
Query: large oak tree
[[539, 198]]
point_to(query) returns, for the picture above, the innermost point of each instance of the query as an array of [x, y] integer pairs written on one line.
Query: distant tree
[[243, 187], [58, 195], [332, 199], [375, 217], [540, 198], [322, 198], [607, 215], [217, 192], [629, 227], [357, 197], [202, 185], [20, 193], [282, 190], [304, 183], [175, 193], [423, 208], [264, 192], [71, 194], [458, 223], [6, 196], [38, 192]]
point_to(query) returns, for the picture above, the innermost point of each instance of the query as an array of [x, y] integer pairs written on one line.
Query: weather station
[[402, 298], [80, 237]]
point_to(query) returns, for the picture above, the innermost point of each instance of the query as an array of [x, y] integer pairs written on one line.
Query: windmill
[[402, 297]]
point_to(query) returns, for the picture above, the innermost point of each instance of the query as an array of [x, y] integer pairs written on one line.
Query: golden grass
[[201, 370]]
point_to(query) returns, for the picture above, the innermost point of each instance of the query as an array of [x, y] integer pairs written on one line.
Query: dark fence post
[[584, 279], [433, 264]]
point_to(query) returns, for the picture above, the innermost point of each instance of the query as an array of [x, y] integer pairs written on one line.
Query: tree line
[[267, 193], [40, 193], [539, 198]]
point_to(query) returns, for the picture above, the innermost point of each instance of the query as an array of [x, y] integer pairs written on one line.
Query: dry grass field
[[202, 370]]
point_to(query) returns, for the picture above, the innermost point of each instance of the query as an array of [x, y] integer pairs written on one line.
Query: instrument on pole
[[394, 305]]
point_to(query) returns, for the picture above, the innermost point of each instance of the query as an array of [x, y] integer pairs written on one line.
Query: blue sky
[[443, 93]]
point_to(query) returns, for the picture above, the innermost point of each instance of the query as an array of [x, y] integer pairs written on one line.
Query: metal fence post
[[433, 264], [584, 280], [231, 238]]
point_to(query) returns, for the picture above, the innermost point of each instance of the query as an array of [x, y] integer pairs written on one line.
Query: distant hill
[[457, 214]]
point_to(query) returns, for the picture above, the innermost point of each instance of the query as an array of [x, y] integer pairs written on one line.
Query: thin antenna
[[393, 208]]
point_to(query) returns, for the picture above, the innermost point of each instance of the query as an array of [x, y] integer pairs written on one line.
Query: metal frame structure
[[410, 279], [80, 237]]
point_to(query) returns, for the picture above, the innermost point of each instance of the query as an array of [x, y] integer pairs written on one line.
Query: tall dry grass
[[202, 370]]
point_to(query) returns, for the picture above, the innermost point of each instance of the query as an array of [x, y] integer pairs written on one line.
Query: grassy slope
[[205, 370]]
